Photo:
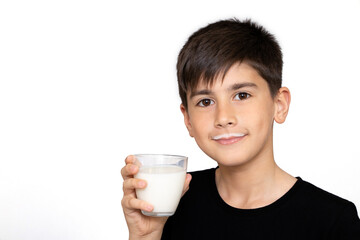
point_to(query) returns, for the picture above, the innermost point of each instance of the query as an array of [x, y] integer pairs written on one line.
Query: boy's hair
[[212, 50]]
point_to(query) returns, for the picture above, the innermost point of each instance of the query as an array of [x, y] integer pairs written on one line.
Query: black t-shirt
[[304, 212]]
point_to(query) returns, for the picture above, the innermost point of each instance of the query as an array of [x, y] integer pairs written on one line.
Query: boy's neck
[[253, 185]]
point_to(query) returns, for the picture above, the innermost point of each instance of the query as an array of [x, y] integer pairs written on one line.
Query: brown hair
[[212, 50]]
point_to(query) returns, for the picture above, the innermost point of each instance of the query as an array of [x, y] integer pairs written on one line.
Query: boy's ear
[[282, 104], [186, 119]]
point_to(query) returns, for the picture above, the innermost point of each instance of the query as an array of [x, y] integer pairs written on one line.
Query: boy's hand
[[140, 226]]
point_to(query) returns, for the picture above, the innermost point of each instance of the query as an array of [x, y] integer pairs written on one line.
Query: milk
[[164, 188]]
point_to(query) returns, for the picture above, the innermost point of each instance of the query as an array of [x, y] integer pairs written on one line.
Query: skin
[[248, 176]]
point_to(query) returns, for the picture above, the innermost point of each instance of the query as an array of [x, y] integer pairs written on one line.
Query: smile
[[228, 138]]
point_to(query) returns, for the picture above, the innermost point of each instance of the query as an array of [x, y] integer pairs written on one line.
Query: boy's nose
[[225, 116]]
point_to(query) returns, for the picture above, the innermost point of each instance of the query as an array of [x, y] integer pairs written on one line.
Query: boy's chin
[[230, 161]]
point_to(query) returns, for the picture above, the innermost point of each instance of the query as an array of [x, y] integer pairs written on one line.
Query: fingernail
[[149, 208]]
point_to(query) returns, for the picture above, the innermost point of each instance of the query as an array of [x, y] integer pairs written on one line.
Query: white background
[[85, 83]]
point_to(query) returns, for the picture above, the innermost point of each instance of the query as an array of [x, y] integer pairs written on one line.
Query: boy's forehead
[[203, 84]]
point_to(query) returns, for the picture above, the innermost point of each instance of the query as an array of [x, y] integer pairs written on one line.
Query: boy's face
[[232, 121]]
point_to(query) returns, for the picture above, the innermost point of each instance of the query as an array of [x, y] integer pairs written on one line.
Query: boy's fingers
[[129, 171], [129, 185], [187, 183], [130, 159], [132, 203]]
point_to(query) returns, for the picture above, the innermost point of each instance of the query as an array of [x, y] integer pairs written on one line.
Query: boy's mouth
[[228, 138]]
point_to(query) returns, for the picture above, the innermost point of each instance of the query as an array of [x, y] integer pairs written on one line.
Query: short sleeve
[[347, 226]]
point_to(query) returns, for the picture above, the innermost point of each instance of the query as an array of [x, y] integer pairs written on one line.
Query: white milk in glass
[[164, 187]]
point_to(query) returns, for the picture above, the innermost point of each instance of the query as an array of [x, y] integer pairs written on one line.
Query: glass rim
[[160, 155]]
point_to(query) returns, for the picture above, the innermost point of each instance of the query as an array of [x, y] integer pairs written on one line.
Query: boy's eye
[[205, 102], [242, 96]]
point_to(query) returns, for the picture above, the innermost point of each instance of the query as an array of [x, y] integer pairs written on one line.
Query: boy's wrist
[[152, 236]]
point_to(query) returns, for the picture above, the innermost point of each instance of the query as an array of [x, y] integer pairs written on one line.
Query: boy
[[229, 77]]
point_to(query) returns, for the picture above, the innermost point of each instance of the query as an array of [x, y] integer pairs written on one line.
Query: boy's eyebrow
[[237, 86], [233, 87], [201, 92]]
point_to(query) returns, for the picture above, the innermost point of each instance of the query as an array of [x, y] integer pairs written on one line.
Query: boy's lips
[[228, 138]]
